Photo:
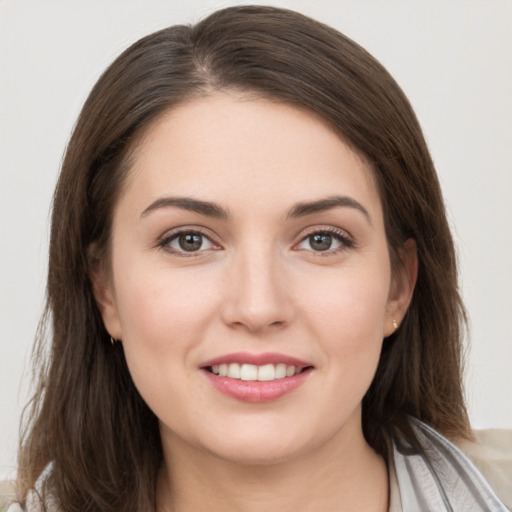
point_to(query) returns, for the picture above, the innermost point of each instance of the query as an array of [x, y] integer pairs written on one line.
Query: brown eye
[[325, 241], [320, 241], [189, 241]]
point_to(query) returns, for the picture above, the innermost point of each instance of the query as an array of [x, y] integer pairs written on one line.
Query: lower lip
[[255, 390]]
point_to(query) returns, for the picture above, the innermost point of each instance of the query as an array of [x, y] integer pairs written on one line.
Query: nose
[[257, 295]]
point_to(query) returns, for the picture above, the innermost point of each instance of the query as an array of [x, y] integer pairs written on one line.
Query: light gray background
[[453, 59]]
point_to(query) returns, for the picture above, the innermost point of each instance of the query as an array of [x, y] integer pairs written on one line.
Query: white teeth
[[251, 372], [234, 371], [223, 370], [266, 372], [290, 371], [280, 371]]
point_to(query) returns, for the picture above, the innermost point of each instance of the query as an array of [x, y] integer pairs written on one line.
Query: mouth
[[251, 372], [256, 377]]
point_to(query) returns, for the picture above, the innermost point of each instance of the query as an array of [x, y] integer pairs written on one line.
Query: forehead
[[239, 149]]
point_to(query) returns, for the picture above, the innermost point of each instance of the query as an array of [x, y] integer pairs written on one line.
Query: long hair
[[87, 424]]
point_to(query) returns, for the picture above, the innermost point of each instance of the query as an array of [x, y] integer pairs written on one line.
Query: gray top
[[441, 479]]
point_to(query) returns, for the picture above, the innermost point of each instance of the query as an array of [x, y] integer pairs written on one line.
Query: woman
[[252, 290]]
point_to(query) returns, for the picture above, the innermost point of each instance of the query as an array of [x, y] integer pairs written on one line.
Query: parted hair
[[88, 439]]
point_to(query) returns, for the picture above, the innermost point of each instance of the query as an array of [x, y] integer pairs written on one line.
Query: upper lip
[[256, 359]]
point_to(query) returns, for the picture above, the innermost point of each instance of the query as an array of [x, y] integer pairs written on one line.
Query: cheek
[[346, 313], [164, 318], [159, 307], [350, 303]]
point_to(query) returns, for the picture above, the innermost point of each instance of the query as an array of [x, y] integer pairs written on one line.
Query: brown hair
[[87, 423]]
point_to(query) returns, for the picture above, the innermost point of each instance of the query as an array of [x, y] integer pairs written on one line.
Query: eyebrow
[[323, 205], [187, 203], [298, 210]]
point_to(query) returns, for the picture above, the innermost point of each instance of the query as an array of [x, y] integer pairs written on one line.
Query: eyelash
[[346, 242], [166, 240]]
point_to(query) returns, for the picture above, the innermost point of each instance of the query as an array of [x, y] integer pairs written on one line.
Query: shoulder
[[443, 476], [8, 501], [491, 453], [15, 507], [31, 506], [7, 496]]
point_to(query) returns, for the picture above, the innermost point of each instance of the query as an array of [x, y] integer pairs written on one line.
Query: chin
[[260, 445], [256, 453]]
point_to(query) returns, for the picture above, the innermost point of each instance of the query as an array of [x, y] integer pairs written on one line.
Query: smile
[[251, 372], [256, 377]]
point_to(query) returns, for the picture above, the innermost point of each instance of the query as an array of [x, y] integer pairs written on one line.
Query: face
[[250, 279]]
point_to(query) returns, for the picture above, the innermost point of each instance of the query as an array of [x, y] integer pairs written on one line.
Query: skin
[[256, 285]]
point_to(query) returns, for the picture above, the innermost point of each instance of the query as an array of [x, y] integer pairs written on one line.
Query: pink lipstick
[[256, 377]]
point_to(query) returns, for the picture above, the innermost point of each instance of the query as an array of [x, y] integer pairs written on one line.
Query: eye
[[325, 241], [187, 242]]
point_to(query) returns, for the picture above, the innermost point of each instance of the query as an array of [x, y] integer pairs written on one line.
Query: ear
[[402, 287], [103, 291]]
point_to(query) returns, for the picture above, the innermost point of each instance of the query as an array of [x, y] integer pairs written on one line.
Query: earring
[[112, 340], [395, 324]]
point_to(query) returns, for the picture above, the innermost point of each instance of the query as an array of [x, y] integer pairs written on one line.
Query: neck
[[344, 474]]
